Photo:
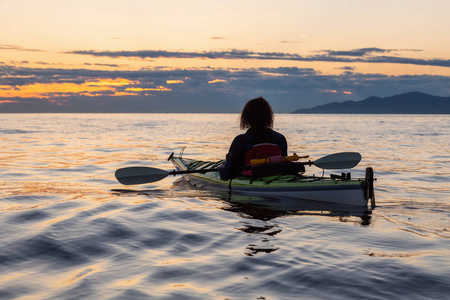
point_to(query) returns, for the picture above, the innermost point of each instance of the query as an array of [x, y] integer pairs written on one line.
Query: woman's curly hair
[[257, 114]]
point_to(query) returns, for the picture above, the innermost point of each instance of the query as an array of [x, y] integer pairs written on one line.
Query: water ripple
[[70, 231]]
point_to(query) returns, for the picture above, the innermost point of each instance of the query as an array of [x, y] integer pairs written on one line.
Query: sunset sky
[[213, 56]]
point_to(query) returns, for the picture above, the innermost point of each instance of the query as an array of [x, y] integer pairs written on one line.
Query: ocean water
[[69, 230]]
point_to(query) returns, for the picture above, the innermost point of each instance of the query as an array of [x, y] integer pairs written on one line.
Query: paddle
[[140, 175]]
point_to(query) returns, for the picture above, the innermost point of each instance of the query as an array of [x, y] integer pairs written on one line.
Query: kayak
[[333, 189]]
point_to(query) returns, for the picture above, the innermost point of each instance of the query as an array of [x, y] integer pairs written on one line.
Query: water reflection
[[259, 207], [65, 235], [256, 214], [265, 233], [270, 208]]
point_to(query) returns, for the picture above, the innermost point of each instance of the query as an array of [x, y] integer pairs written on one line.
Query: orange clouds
[[174, 81], [336, 92], [109, 87], [159, 88], [217, 80], [8, 101], [112, 82]]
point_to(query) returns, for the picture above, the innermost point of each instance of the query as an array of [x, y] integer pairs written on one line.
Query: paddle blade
[[343, 160], [140, 175]]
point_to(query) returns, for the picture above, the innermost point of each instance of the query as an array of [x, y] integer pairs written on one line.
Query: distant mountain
[[408, 103]]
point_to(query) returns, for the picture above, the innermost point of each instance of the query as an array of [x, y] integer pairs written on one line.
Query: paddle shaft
[[174, 172]]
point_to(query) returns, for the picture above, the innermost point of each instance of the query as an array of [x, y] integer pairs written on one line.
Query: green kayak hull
[[324, 189]]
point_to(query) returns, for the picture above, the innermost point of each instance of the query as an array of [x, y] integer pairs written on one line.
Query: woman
[[260, 141]]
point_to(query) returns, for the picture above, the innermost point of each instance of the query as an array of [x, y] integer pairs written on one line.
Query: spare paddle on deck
[[140, 175]]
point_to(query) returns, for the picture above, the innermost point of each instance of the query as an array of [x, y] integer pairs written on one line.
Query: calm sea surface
[[69, 230]]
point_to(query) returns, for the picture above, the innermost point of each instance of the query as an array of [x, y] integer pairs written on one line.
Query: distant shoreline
[[408, 103]]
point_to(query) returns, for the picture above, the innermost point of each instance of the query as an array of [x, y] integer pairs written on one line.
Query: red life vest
[[276, 165], [262, 151]]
